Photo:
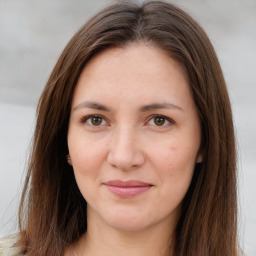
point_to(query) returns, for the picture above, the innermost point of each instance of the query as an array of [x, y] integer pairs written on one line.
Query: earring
[[68, 157]]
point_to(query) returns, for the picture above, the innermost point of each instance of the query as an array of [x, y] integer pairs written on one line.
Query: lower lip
[[128, 191]]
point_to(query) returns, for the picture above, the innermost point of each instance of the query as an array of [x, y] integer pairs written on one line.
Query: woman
[[134, 150]]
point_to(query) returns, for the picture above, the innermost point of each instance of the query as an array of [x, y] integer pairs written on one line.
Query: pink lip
[[128, 188]]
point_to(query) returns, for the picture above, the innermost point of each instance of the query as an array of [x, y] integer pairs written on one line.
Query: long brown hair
[[52, 210]]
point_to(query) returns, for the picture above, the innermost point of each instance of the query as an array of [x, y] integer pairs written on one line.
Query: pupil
[[159, 120], [96, 120]]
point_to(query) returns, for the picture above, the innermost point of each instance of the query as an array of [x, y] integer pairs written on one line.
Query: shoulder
[[8, 246]]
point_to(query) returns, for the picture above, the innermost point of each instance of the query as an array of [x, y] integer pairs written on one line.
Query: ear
[[199, 158], [69, 159]]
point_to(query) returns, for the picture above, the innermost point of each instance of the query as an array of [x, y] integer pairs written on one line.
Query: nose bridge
[[125, 151]]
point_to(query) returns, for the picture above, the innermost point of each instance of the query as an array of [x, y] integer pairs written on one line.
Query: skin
[[146, 129]]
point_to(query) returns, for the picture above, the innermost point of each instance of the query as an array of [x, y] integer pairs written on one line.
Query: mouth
[[130, 188]]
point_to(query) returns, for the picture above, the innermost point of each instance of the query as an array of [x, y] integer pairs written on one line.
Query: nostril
[[125, 161]]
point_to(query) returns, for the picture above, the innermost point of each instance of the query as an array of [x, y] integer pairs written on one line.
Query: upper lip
[[128, 183]]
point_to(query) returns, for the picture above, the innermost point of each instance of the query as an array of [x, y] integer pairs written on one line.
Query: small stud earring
[[68, 157]]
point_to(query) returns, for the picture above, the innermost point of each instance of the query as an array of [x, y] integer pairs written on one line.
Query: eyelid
[[84, 120], [170, 120]]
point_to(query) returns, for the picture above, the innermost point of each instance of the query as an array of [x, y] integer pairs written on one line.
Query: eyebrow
[[93, 105], [145, 108], [159, 106]]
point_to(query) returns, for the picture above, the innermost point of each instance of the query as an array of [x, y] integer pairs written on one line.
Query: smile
[[129, 188]]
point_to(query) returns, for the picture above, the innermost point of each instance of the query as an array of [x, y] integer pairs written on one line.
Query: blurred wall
[[32, 35]]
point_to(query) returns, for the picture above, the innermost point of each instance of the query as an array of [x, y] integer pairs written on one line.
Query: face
[[134, 137]]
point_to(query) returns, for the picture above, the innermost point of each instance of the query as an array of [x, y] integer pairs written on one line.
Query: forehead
[[136, 57], [134, 71]]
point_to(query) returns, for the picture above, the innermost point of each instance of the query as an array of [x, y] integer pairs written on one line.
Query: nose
[[125, 153]]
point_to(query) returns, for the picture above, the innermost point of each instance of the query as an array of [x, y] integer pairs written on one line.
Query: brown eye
[[159, 120], [96, 120]]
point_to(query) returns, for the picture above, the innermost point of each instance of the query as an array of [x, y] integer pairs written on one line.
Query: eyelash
[[86, 118], [151, 118], [169, 120]]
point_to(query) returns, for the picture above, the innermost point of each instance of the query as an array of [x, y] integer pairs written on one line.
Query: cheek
[[174, 161], [174, 168], [178, 171], [84, 151], [86, 162]]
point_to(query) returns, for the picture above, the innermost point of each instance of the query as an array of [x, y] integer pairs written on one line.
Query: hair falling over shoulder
[[52, 212]]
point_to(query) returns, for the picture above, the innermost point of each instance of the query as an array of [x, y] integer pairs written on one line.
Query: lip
[[130, 188]]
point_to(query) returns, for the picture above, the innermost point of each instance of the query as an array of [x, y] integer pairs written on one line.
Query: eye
[[94, 120], [159, 120]]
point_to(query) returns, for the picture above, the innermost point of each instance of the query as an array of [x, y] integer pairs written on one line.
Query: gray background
[[33, 34]]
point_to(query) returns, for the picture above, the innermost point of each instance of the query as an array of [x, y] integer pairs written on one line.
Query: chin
[[128, 221], [129, 225]]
